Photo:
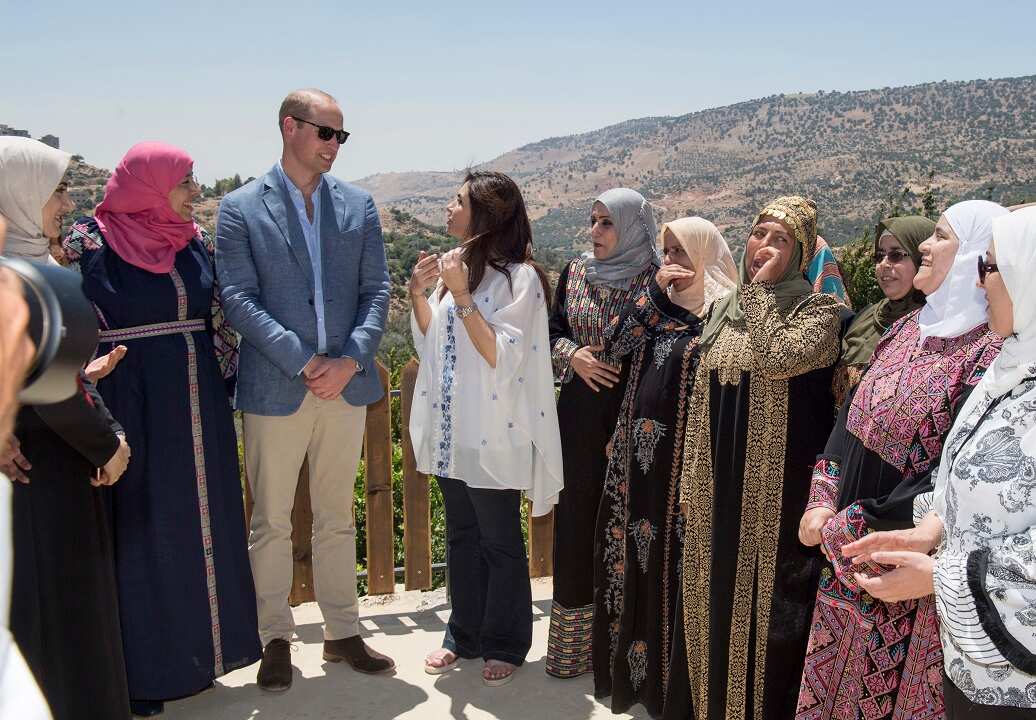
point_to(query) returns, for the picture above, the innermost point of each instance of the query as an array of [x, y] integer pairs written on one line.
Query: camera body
[[62, 327]]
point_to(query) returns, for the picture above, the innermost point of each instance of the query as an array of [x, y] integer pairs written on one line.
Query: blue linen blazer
[[266, 280]]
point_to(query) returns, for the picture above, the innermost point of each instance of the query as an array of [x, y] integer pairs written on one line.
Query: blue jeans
[[488, 574]]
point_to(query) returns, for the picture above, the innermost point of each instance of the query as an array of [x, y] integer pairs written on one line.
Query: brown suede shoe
[[355, 652], [275, 669]]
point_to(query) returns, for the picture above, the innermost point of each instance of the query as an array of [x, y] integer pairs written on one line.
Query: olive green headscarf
[[799, 215], [872, 322]]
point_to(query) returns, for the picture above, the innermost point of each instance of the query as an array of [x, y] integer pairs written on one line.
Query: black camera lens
[[62, 327]]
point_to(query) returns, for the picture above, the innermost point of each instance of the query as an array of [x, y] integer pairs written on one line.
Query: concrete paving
[[404, 626]]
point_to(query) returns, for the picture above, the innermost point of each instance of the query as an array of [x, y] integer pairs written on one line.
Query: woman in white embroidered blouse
[[982, 514], [484, 420]]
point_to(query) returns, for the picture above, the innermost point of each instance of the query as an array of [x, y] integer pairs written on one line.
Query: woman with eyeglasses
[[897, 259], [186, 597], [862, 652], [982, 521]]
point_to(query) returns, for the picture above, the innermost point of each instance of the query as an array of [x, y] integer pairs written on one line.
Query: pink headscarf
[[135, 216]]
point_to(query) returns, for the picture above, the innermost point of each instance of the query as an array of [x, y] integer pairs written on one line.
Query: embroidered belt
[[138, 332]]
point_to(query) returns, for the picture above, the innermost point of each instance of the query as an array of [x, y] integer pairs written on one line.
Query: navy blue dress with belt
[[186, 597]]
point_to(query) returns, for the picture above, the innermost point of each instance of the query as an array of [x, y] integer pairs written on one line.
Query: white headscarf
[[635, 252], [1014, 238], [29, 173], [957, 306], [715, 272]]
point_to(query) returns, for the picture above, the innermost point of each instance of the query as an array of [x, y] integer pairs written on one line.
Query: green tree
[[856, 261], [929, 198]]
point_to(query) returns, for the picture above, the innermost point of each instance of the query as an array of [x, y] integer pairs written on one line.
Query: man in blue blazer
[[301, 262]]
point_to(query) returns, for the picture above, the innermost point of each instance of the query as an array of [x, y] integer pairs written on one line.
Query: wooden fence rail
[[417, 521]]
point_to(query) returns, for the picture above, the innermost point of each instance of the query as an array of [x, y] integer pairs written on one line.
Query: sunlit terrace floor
[[405, 626]]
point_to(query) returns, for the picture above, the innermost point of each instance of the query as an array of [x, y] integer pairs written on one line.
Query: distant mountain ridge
[[847, 150]]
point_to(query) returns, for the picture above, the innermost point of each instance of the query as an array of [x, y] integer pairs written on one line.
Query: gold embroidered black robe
[[760, 412]]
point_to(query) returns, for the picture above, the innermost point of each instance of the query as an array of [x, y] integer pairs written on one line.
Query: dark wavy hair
[[500, 231]]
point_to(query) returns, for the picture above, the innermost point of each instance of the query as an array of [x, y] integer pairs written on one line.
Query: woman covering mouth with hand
[[879, 457], [639, 536], [758, 414]]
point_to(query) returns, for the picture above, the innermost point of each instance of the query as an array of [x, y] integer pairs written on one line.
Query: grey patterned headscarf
[[635, 251]]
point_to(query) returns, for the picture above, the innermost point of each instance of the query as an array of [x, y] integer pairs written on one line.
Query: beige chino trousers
[[330, 433]]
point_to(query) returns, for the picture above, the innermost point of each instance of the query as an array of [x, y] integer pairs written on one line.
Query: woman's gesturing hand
[[454, 272], [425, 273], [668, 274], [103, 366], [770, 272], [12, 463], [115, 467], [912, 578], [812, 522], [921, 539], [593, 371]]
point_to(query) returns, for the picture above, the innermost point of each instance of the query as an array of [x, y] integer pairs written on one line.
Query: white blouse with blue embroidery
[[490, 427]]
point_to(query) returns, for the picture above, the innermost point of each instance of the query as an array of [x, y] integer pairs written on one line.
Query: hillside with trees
[[848, 150]]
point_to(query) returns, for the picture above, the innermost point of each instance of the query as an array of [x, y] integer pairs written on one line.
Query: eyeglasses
[[985, 268], [894, 256], [324, 132]]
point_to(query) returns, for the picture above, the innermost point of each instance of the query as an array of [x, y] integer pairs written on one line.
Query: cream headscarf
[[957, 306], [29, 173], [715, 272]]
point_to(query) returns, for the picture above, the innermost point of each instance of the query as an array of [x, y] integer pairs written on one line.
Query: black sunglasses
[[324, 132], [894, 256], [985, 268]]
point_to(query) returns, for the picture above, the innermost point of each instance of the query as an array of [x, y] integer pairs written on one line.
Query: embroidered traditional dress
[[581, 313], [639, 525], [186, 597], [866, 658], [760, 411]]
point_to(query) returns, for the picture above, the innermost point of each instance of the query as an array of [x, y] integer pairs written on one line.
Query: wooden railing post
[[378, 453], [417, 517], [302, 542], [541, 545]]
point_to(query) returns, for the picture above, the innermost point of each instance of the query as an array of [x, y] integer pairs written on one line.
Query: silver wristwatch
[[464, 311]]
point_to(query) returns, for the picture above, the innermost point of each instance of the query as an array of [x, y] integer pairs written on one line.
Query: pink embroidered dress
[[867, 659]]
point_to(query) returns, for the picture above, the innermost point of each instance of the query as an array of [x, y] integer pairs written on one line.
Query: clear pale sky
[[428, 86]]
